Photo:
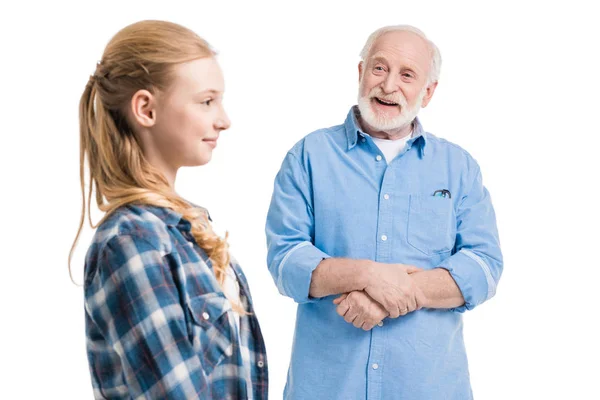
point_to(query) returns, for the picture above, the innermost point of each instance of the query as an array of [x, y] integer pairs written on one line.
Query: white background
[[519, 90]]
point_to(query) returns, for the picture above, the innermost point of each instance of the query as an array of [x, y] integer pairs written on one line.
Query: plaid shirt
[[158, 324]]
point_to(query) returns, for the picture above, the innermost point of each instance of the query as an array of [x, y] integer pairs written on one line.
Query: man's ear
[[360, 71], [429, 94]]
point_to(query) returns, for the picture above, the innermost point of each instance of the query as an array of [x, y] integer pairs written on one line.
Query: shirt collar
[[170, 217], [353, 131]]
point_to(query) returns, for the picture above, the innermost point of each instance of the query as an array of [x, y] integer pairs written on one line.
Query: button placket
[[385, 217], [375, 375]]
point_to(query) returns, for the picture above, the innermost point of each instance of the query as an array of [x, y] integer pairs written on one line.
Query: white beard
[[382, 122]]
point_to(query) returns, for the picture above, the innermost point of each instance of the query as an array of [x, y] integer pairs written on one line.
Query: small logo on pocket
[[442, 193]]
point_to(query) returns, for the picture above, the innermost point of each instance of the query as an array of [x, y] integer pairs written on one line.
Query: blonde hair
[[140, 56]]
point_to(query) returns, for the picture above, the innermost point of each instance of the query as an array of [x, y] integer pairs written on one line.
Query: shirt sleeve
[[292, 255], [134, 302], [477, 263]]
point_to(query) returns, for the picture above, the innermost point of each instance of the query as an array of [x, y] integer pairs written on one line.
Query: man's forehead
[[401, 43]]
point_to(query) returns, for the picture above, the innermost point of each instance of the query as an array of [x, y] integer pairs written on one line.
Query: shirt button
[[375, 366], [363, 140], [260, 363], [378, 158], [380, 323], [205, 315], [386, 196], [383, 237], [229, 352]]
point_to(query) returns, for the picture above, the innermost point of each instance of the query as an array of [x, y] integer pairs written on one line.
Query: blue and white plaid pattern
[[158, 324]]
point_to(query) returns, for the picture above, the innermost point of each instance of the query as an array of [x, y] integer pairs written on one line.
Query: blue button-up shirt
[[335, 196]]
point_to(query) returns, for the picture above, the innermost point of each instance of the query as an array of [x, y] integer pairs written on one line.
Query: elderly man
[[384, 235]]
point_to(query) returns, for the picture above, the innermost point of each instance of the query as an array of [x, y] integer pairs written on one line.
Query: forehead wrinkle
[[417, 53]]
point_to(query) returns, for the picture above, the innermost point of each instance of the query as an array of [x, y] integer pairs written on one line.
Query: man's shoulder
[[319, 140], [437, 145]]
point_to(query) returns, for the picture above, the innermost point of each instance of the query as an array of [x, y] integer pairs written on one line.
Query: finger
[[378, 316], [393, 311], [342, 309], [380, 311], [350, 316], [367, 326], [339, 299], [390, 306], [358, 322], [403, 308], [371, 322]]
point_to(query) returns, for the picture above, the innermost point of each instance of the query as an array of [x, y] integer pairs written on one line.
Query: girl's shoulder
[[136, 226]]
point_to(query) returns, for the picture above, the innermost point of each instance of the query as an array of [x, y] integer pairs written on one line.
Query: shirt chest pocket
[[431, 224], [212, 333]]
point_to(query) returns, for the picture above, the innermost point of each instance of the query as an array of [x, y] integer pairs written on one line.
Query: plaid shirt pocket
[[212, 334]]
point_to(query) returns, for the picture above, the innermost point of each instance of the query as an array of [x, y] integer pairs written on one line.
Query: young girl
[[168, 314]]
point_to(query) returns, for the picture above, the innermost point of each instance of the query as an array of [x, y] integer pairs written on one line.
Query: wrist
[[366, 272], [419, 280]]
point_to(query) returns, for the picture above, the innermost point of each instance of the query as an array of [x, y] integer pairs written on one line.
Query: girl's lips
[[211, 142]]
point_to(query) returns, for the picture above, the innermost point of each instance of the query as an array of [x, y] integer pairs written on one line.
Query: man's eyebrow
[[377, 58]]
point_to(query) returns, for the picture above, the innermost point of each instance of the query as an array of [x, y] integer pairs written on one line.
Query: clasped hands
[[390, 291]]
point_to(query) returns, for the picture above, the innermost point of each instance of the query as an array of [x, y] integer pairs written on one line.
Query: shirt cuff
[[473, 277], [295, 271]]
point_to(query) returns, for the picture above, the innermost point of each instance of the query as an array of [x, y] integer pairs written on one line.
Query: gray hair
[[436, 58]]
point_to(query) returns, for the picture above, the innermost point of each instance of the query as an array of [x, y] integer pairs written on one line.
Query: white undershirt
[[231, 287], [391, 148]]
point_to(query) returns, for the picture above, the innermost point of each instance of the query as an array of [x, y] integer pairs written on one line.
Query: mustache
[[397, 97]]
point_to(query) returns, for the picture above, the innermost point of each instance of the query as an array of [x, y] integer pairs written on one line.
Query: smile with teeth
[[385, 102]]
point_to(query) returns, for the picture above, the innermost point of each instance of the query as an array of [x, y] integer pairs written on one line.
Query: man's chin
[[381, 124], [375, 120]]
